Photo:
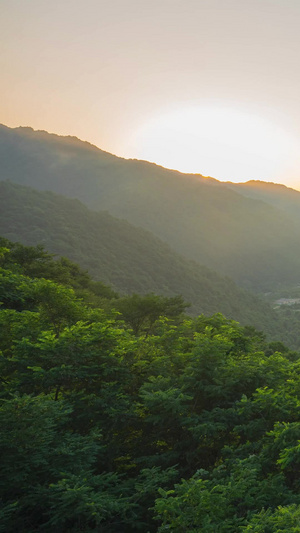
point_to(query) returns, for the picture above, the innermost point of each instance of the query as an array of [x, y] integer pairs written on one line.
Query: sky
[[204, 86]]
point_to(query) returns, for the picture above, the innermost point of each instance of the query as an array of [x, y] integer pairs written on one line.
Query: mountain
[[245, 238], [280, 196], [129, 258]]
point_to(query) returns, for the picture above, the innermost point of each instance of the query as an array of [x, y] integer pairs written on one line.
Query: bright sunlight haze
[[226, 143], [209, 87]]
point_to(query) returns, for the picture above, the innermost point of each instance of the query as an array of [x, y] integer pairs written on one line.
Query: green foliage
[[34, 261], [141, 312], [39, 450], [225, 502], [140, 419], [284, 520], [12, 295]]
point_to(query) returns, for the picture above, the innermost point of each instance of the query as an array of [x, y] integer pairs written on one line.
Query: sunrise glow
[[218, 141]]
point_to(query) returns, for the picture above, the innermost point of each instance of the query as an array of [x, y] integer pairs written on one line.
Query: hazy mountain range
[[142, 228], [130, 259], [249, 232]]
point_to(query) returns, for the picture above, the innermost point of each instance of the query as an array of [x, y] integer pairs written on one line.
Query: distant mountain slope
[[247, 239], [280, 196], [129, 258]]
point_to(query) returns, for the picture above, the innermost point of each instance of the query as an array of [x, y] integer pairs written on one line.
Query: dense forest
[[123, 414]]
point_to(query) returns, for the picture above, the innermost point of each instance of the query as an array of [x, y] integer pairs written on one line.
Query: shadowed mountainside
[[129, 258], [247, 239]]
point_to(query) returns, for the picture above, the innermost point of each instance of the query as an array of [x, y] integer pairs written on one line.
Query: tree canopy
[[138, 418]]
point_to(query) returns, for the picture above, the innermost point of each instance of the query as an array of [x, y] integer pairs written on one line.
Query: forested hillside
[[128, 258], [188, 425], [250, 240], [280, 196]]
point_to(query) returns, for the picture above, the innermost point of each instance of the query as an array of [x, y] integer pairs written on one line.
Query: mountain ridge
[[210, 179], [247, 239]]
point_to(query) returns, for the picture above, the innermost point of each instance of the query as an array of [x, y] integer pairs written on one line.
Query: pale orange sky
[[107, 71]]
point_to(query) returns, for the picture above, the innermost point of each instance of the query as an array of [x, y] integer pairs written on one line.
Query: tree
[[141, 312]]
